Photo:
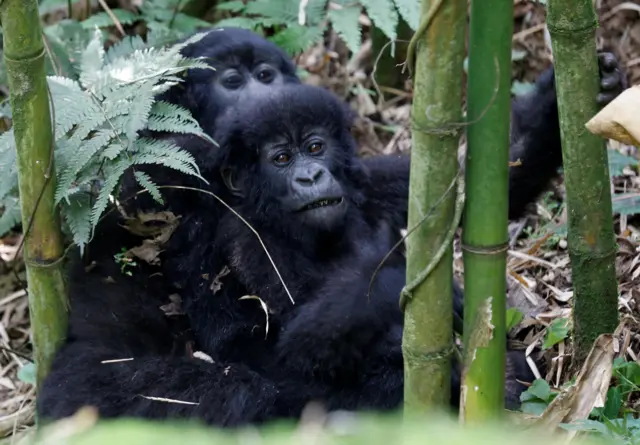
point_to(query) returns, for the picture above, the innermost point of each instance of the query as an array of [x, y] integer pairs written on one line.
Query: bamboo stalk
[[485, 235], [29, 99], [592, 248], [436, 111]]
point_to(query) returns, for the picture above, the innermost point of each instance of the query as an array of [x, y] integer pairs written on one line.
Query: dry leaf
[[620, 120], [216, 285], [174, 307], [589, 391], [164, 224]]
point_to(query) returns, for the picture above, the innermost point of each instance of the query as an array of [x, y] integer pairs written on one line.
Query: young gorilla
[[294, 175]]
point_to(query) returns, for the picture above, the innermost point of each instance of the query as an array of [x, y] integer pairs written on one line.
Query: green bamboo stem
[[485, 233], [592, 247], [436, 113], [24, 60]]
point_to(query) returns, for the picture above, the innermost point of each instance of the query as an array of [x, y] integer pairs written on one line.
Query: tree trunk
[[485, 236], [592, 247], [29, 98], [427, 342]]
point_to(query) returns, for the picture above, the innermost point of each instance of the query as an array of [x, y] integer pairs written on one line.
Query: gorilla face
[[289, 159], [239, 80], [300, 167]]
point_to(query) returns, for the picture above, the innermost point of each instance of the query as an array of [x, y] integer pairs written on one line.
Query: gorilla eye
[[266, 75], [282, 158], [233, 81], [315, 147]]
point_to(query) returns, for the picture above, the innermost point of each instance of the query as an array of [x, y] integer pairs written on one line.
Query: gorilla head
[[246, 66], [290, 159]]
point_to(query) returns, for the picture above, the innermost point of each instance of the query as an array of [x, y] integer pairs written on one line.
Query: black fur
[[333, 345]]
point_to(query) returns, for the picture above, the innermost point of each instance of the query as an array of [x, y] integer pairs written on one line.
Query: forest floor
[[539, 271]]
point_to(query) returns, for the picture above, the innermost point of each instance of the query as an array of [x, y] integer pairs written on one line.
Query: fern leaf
[[77, 215], [11, 214], [383, 14], [346, 23], [296, 39], [239, 22], [72, 106], [104, 20], [410, 12], [139, 113], [232, 6], [285, 11], [113, 150], [83, 155], [91, 61], [8, 167], [164, 149], [315, 12], [145, 181], [110, 184], [124, 48]]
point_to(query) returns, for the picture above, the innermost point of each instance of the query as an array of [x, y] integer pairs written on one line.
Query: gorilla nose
[[310, 176]]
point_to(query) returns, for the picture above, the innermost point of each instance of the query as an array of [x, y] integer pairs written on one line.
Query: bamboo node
[[423, 358], [486, 250], [568, 31]]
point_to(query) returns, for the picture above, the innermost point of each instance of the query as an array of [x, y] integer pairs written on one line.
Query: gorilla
[[127, 357], [287, 164]]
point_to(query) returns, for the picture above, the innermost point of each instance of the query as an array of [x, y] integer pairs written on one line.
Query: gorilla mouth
[[326, 202]]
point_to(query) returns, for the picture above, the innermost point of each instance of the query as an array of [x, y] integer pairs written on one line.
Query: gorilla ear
[[230, 179]]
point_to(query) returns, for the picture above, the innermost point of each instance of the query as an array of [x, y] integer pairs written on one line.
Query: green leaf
[[626, 203], [232, 6], [104, 20], [522, 88], [296, 39], [145, 181], [514, 316], [346, 24], [618, 162], [557, 331], [540, 389], [613, 403], [27, 374], [383, 15], [77, 215], [410, 12]]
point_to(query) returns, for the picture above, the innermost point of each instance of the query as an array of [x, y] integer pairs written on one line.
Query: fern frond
[[232, 6], [409, 11], [285, 11], [86, 150], [145, 181], [383, 14], [139, 113], [72, 105], [346, 23], [77, 215], [239, 22], [8, 166], [91, 61], [296, 39], [123, 48], [11, 214], [315, 12], [104, 20], [111, 182], [163, 150]]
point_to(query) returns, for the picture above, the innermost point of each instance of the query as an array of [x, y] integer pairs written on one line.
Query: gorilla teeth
[[322, 203]]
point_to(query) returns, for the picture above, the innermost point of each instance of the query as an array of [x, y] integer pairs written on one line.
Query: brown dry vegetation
[[539, 272]]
